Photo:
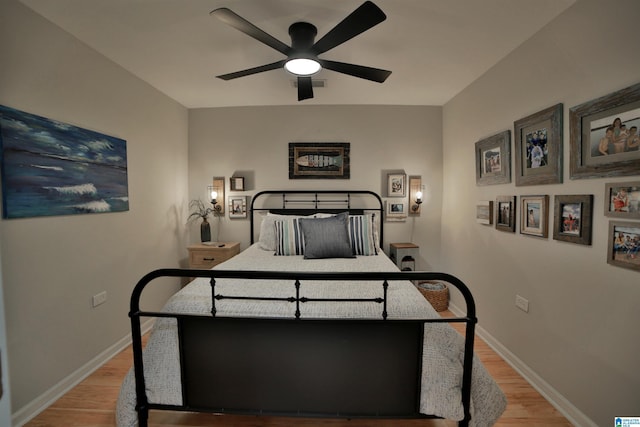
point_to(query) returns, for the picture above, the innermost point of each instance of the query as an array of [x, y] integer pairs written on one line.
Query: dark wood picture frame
[[622, 200], [572, 218], [623, 244], [534, 216], [319, 160], [236, 183], [493, 159], [588, 125], [506, 213], [538, 147]]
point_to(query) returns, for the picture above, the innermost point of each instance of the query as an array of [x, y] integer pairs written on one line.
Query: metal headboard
[[307, 202]]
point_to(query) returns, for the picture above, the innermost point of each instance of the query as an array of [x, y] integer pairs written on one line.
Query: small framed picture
[[396, 210], [506, 213], [237, 207], [534, 214], [538, 146], [396, 185], [572, 218], [484, 212], [493, 159], [622, 200], [236, 183], [623, 248]]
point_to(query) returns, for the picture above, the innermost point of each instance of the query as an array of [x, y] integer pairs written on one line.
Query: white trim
[[39, 404], [557, 400]]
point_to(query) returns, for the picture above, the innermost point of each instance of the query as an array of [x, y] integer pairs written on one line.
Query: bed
[[301, 325]]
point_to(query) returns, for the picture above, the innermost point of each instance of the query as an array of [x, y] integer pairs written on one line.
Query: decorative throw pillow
[[288, 237], [327, 237], [362, 234]]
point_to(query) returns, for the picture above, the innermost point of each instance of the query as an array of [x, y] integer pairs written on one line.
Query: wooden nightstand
[[206, 256]]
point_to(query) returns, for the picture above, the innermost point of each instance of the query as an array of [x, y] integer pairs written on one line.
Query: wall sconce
[[415, 194], [216, 192], [213, 197]]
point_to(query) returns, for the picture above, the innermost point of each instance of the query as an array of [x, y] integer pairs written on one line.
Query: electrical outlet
[[100, 298], [522, 303]]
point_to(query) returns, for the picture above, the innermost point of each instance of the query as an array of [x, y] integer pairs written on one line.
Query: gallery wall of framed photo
[[604, 143]]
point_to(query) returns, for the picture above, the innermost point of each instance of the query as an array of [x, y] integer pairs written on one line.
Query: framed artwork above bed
[[319, 160]]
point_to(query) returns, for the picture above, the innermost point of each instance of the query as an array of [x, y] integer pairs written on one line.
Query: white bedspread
[[442, 356]]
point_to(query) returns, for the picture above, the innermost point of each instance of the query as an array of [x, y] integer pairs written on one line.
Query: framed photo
[[236, 183], [604, 135], [493, 159], [237, 207], [622, 200], [538, 144], [534, 215], [506, 213], [623, 248], [484, 212], [572, 218], [396, 185], [396, 210], [319, 160]]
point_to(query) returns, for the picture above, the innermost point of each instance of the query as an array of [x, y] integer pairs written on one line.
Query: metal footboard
[[311, 367]]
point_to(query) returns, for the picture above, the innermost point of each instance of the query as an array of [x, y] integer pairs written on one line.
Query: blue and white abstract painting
[[54, 168]]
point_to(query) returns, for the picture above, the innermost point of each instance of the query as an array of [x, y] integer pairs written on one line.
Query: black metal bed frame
[[297, 366], [305, 202]]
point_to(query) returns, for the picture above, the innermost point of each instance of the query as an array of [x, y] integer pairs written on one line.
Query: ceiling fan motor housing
[[303, 35]]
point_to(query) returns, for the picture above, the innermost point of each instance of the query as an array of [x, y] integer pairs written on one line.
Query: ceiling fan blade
[[255, 70], [239, 23], [374, 74], [305, 88], [360, 20]]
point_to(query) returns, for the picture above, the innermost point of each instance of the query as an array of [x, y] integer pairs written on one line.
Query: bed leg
[[143, 417]]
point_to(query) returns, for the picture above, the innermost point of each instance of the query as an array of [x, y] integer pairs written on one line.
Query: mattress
[[442, 354]]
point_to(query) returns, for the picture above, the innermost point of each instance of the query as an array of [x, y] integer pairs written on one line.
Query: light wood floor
[[93, 401]]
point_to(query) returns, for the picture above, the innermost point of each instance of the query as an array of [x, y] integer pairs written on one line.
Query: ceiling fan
[[302, 56]]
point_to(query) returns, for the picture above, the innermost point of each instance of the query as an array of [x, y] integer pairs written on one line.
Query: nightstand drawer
[[205, 256]]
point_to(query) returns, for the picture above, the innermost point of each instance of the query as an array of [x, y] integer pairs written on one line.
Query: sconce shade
[[415, 194]]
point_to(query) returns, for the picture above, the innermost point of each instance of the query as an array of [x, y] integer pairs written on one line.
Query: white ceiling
[[435, 48]]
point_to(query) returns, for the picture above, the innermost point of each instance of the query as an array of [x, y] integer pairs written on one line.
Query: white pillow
[[267, 240]]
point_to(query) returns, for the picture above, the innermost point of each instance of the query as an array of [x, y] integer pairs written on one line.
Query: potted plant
[[200, 210]]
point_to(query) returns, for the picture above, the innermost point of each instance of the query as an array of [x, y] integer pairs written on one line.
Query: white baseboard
[[566, 408], [32, 409]]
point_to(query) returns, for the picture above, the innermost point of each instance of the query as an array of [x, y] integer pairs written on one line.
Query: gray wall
[[51, 267], [580, 335], [253, 141]]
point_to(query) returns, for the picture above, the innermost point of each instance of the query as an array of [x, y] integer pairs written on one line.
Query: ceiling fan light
[[302, 66]]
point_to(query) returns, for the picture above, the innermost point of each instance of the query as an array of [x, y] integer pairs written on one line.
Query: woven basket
[[436, 293]]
